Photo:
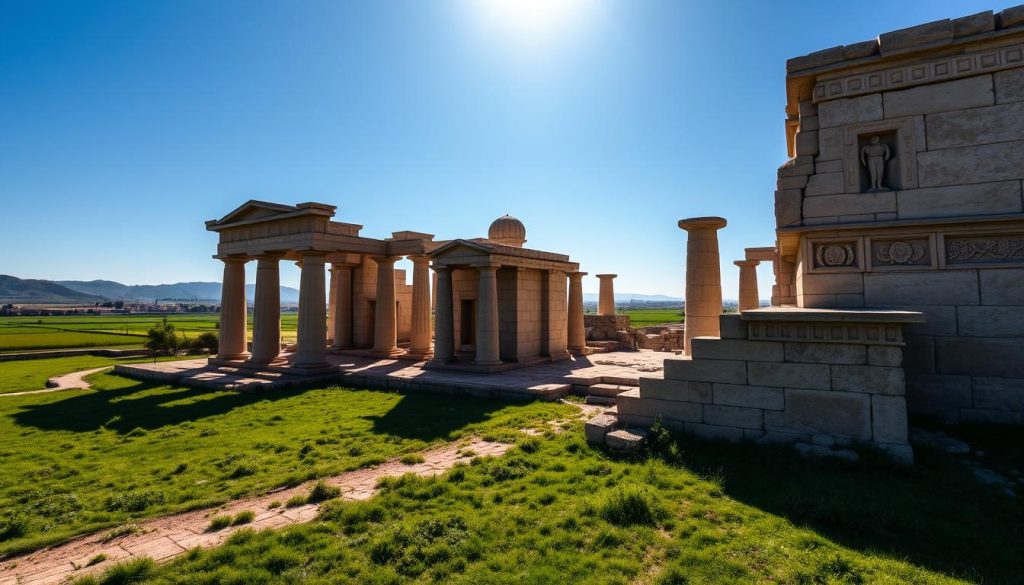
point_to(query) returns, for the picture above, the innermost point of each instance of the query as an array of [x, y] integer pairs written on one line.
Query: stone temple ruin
[[898, 262]]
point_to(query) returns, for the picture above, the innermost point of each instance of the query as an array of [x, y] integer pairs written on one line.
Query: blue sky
[[125, 125]]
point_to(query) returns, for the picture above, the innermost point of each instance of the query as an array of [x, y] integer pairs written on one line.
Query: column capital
[[605, 275], [233, 259], [576, 275], [385, 259], [418, 258], [702, 223], [488, 268], [442, 269], [745, 263], [269, 256], [342, 265]]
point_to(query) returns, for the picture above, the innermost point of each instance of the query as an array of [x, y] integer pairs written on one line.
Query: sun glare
[[533, 21]]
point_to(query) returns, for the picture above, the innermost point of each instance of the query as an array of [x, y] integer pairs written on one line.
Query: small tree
[[162, 339]]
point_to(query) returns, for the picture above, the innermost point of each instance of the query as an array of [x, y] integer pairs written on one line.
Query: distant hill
[[179, 291], [18, 290], [625, 298]]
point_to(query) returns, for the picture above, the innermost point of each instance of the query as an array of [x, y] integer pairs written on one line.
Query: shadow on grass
[[427, 417], [932, 514]]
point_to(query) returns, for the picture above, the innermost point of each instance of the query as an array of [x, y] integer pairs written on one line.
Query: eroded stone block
[[736, 349], [959, 94], [826, 353], [869, 379], [824, 184], [732, 326], [922, 288], [845, 414], [784, 375], [930, 33], [999, 123], [681, 390], [596, 428], [850, 111], [849, 203], [880, 355], [749, 396], [971, 164], [889, 419], [729, 372], [1009, 86], [1004, 286], [733, 416], [980, 199]]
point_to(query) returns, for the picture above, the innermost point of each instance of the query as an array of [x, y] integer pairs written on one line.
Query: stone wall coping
[[796, 314]]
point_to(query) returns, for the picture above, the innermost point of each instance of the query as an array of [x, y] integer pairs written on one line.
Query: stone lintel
[[798, 315]]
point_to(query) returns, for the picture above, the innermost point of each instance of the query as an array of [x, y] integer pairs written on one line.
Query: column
[[342, 306], [332, 307], [444, 317], [703, 277], [749, 298], [266, 311], [311, 349], [385, 326], [231, 343], [577, 335], [555, 297], [606, 298], [419, 342], [487, 344]]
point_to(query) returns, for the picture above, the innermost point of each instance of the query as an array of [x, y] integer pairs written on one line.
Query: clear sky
[[599, 123]]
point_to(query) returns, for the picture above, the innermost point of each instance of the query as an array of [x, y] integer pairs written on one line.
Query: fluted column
[[487, 344], [703, 277], [385, 325], [231, 342], [311, 348], [749, 297], [444, 318], [577, 335], [266, 311], [606, 298], [419, 341], [341, 305]]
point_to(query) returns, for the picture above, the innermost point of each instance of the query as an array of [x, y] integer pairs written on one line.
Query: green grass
[[645, 317], [558, 511], [79, 462], [26, 375]]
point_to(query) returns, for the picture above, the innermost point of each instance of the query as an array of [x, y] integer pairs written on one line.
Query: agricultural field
[[645, 317], [84, 331]]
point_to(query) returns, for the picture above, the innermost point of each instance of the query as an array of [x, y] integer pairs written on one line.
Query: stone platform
[[548, 381]]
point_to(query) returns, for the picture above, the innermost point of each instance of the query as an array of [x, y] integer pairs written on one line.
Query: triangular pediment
[[462, 248], [254, 210]]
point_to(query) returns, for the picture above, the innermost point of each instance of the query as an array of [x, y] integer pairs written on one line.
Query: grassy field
[[645, 317], [555, 510], [77, 331], [74, 462], [26, 375]]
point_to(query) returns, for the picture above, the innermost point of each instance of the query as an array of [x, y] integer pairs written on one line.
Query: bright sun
[[533, 21]]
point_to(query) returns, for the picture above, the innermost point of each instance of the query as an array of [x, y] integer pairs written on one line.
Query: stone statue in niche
[[874, 156]]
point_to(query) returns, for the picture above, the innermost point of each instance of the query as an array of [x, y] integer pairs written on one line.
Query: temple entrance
[[467, 332]]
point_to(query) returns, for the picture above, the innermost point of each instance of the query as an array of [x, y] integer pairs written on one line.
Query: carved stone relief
[[984, 249], [835, 254], [903, 252]]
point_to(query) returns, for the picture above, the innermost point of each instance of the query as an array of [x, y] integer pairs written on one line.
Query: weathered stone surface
[[974, 24], [990, 416], [922, 288], [861, 50], [715, 432], [733, 416], [1011, 17], [959, 94], [870, 379], [938, 441], [850, 111], [813, 376], [1000, 123], [823, 440], [830, 148], [940, 31], [849, 203], [826, 353], [735, 349], [991, 321], [1001, 287], [979, 199], [820, 452], [815, 59], [798, 182], [824, 184], [749, 396], [596, 428], [939, 320], [806, 109], [806, 142], [980, 356], [625, 441], [732, 326], [889, 419], [919, 354], [631, 404], [899, 453], [832, 283], [729, 372], [799, 166], [999, 393], [815, 411], [787, 207], [1009, 86], [830, 166], [938, 395], [880, 355], [971, 164], [681, 390], [807, 124]]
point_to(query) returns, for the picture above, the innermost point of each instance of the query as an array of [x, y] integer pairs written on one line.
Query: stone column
[[311, 349], [332, 307], [555, 296], [703, 277], [444, 317], [233, 311], [606, 299], [266, 311], [487, 343], [341, 305], [749, 298], [577, 335], [385, 324], [419, 341]]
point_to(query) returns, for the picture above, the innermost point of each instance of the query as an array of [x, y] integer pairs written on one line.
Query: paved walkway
[[74, 380]]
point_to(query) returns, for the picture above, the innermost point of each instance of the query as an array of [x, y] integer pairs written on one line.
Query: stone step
[[627, 441], [599, 426], [611, 390], [600, 400]]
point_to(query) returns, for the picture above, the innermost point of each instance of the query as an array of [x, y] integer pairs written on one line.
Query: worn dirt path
[[74, 380]]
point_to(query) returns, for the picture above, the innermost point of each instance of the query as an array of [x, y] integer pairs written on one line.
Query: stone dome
[[507, 230]]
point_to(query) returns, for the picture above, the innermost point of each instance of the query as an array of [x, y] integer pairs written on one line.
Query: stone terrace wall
[[830, 379]]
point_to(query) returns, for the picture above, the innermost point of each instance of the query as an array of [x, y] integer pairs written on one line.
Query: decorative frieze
[[901, 253], [867, 333], [966, 250], [836, 255]]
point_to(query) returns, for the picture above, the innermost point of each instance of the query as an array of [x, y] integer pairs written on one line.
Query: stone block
[[1000, 123], [987, 416], [930, 34], [966, 26], [850, 203], [680, 390], [596, 428], [734, 416], [812, 376], [807, 124], [830, 148], [938, 395], [858, 218], [824, 184], [830, 166], [820, 452], [842, 414], [826, 353], [806, 109], [631, 404], [869, 379], [626, 441], [798, 182], [952, 287], [763, 397], [990, 321], [715, 433], [919, 354], [806, 142], [732, 326], [799, 166], [1011, 17], [1002, 286], [815, 59], [939, 320], [788, 204], [726, 371], [959, 94], [971, 164], [861, 50], [1009, 86], [819, 301], [980, 199], [889, 419], [880, 355], [832, 283], [736, 349], [999, 393], [980, 356], [849, 301], [841, 112]]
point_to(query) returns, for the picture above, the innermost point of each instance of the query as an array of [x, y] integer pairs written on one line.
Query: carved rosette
[[900, 253], [835, 255]]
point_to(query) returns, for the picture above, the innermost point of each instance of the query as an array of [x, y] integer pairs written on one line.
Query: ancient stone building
[[904, 190]]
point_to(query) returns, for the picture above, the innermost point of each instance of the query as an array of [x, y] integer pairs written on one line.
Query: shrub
[[14, 526], [96, 560], [412, 549], [295, 501], [129, 573], [243, 517], [219, 522], [629, 505], [412, 459], [662, 444], [321, 492], [135, 501]]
